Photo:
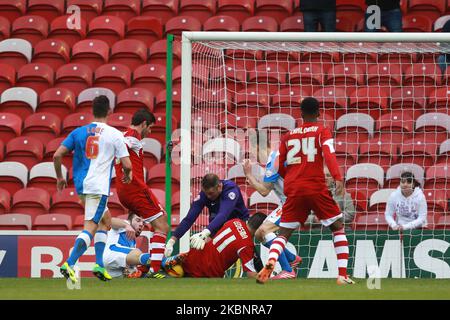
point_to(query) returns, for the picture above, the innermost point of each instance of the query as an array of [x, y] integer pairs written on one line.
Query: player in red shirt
[[233, 241], [136, 196], [302, 154]]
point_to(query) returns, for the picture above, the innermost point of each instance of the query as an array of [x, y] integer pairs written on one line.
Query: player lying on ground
[[224, 201], [121, 256], [266, 232], [137, 196], [95, 146], [233, 241], [301, 160]]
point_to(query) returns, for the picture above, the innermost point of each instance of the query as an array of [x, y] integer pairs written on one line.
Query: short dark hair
[[256, 220], [100, 106], [209, 181], [142, 115], [310, 106], [131, 215]]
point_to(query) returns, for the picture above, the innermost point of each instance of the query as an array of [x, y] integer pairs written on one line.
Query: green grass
[[224, 289]]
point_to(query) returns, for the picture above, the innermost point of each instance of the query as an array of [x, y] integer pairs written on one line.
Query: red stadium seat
[[109, 29], [158, 130], [158, 52], [91, 52], [439, 23], [378, 151], [426, 74], [152, 152], [443, 222], [52, 221], [436, 200], [443, 152], [251, 104], [86, 97], [43, 175], [239, 9], [53, 52], [7, 78], [346, 153], [113, 76], [332, 100], [221, 23], [145, 29], [13, 176], [78, 222], [437, 177], [278, 122], [288, 100], [42, 126], [306, 74], [293, 24], [121, 9], [15, 221], [393, 174], [178, 24], [67, 201], [19, 100], [30, 28], [161, 9], [372, 100], [260, 24], [370, 222], [433, 126], [12, 10], [367, 177], [346, 74], [199, 9], [37, 76], [10, 126], [120, 121], [15, 52], [277, 9], [33, 201], [266, 76], [418, 151], [160, 103], [132, 99], [438, 100], [355, 127], [345, 24], [115, 207], [75, 120], [129, 52], [50, 149], [409, 100], [433, 9], [360, 201], [351, 5], [5, 28], [151, 77], [89, 8], [58, 101], [384, 74], [395, 53], [156, 177], [5, 201], [74, 76], [235, 76], [26, 150], [379, 199], [418, 22], [47, 9], [395, 126], [59, 29]]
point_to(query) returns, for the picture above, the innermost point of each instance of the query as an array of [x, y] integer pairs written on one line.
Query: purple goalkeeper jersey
[[229, 205]]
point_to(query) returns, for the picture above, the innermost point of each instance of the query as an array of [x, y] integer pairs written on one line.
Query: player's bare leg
[[341, 247], [275, 249]]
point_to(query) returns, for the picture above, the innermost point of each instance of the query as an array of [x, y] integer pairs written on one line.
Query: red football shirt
[[303, 151], [231, 242], [135, 149]]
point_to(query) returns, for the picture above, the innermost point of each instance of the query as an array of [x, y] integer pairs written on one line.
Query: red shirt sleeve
[[282, 157], [327, 143]]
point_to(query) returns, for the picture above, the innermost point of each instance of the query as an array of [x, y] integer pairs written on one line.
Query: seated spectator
[[408, 203], [391, 16], [317, 12]]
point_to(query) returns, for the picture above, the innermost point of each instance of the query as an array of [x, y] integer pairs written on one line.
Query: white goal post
[[209, 94]]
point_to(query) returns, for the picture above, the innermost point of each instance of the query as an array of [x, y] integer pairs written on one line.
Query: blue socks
[[82, 242], [144, 259], [99, 243]]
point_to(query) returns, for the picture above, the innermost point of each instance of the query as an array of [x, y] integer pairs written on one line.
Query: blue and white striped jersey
[[271, 175]]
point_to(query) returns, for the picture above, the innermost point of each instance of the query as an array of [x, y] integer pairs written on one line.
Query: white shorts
[[275, 216], [95, 206], [115, 261]]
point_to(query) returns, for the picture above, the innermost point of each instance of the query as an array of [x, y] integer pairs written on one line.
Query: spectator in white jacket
[[408, 203]]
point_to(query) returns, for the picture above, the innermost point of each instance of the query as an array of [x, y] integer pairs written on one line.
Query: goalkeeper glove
[[198, 240], [169, 247]]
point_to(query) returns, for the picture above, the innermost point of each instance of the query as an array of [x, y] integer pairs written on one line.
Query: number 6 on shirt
[[92, 147], [307, 146]]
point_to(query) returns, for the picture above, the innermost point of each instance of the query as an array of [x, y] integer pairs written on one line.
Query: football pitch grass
[[221, 289]]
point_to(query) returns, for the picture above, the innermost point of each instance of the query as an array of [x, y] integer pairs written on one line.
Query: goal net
[[385, 99]]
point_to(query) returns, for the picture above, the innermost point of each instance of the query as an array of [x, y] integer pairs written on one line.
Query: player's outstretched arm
[[117, 223], [61, 182], [263, 188]]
